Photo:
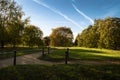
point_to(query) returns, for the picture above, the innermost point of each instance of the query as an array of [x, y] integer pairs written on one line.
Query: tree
[[32, 36], [3, 18], [11, 24], [46, 41], [61, 36], [103, 34], [76, 40], [109, 35]]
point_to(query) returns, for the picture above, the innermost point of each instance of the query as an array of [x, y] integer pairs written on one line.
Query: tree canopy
[[103, 34], [32, 35], [13, 29], [61, 36], [11, 24], [46, 41]]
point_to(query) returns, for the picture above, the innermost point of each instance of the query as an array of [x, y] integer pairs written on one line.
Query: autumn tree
[[61, 36]]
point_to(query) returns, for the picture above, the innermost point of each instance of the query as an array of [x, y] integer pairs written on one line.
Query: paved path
[[33, 59], [25, 59]]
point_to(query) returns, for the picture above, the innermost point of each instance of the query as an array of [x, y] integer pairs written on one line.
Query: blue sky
[[76, 14]]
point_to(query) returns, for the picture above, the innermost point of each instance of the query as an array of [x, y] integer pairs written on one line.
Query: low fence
[[48, 52], [45, 51]]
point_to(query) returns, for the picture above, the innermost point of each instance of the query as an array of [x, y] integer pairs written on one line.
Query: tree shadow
[[83, 54], [79, 54]]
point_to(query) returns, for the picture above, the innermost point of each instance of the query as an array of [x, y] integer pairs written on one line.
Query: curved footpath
[[25, 59], [33, 59]]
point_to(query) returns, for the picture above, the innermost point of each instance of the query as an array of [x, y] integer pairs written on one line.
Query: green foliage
[[11, 24], [46, 41], [32, 36], [103, 34], [61, 36], [61, 72]]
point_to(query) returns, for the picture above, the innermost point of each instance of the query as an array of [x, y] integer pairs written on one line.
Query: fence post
[[14, 61], [66, 57], [68, 52], [48, 49], [42, 51]]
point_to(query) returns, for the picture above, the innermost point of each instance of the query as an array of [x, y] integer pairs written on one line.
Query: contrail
[[73, 0], [83, 14], [60, 13]]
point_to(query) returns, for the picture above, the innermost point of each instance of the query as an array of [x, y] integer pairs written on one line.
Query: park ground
[[83, 64]]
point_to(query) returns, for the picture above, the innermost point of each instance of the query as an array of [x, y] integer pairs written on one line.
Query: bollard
[[43, 51], [14, 61], [68, 52], [48, 50], [66, 57]]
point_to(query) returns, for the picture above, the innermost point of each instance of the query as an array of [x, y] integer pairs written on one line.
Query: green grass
[[78, 53], [61, 72], [9, 52]]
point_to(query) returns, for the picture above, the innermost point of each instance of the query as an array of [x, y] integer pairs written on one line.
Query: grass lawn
[[9, 52], [61, 72], [78, 53]]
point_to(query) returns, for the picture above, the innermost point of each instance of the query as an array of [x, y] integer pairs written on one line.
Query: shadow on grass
[[61, 72], [86, 51], [79, 54]]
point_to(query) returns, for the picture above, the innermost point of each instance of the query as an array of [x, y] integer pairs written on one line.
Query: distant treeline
[[17, 31], [105, 33]]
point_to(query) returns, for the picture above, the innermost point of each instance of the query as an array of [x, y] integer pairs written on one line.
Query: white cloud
[[83, 14], [59, 13]]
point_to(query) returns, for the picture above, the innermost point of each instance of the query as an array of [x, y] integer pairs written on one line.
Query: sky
[[75, 14]]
